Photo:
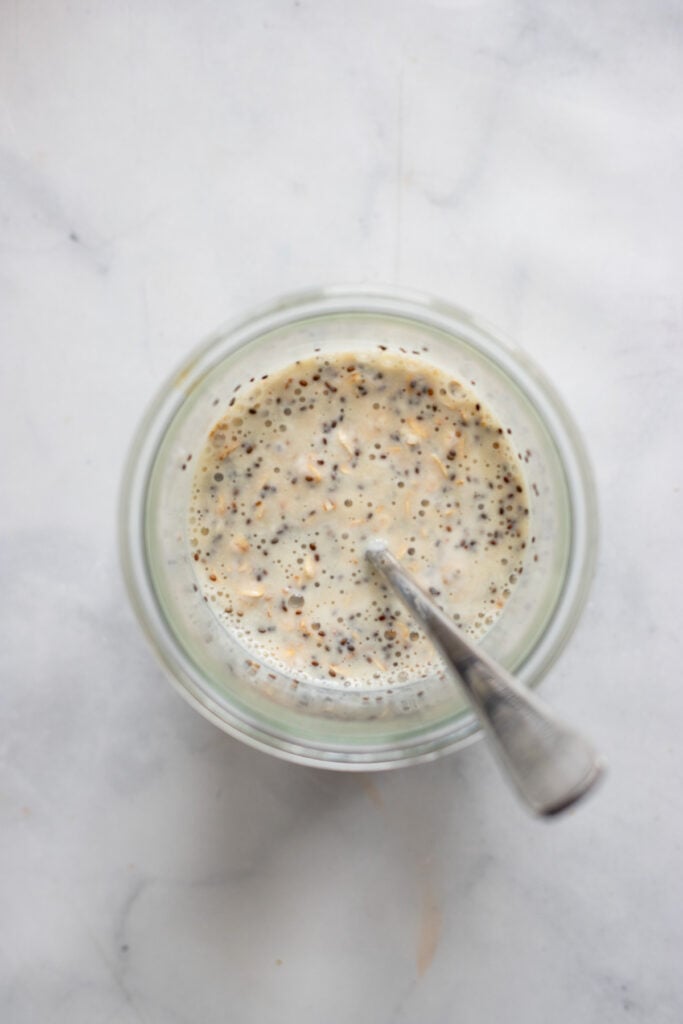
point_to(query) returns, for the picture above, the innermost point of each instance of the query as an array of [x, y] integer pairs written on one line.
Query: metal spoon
[[550, 764]]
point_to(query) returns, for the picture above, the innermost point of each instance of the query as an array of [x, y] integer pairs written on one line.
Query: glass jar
[[319, 723]]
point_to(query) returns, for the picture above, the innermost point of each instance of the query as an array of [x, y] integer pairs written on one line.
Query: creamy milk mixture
[[308, 464]]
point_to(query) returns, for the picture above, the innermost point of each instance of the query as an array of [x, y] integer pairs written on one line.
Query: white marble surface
[[164, 166]]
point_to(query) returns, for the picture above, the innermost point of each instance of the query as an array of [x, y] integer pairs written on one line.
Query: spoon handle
[[550, 764]]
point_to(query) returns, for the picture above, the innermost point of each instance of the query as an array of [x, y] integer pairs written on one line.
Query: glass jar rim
[[339, 300]]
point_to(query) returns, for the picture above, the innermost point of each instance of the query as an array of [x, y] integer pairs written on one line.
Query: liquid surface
[[306, 466]]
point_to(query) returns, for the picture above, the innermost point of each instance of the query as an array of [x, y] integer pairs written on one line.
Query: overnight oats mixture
[[306, 466]]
